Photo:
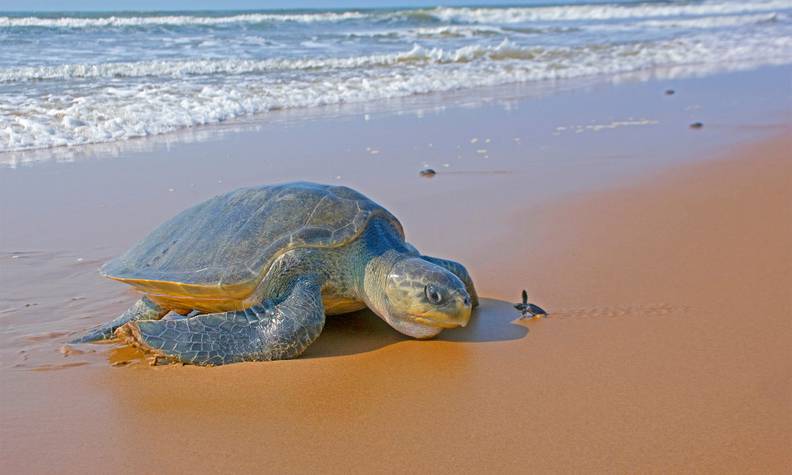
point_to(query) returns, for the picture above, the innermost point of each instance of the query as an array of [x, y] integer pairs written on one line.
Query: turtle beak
[[456, 316], [459, 317], [464, 312]]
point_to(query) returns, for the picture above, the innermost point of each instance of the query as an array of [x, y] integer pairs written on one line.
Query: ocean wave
[[483, 30], [704, 23], [459, 31], [175, 20], [118, 111], [469, 15], [224, 67], [447, 31], [600, 12]]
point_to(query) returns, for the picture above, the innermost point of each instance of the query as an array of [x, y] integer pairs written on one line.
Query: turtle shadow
[[363, 331]]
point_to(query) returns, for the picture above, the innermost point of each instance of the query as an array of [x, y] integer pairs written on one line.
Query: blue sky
[[92, 5]]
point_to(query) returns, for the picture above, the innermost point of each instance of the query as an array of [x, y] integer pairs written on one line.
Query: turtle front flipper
[[458, 270], [143, 309], [263, 332]]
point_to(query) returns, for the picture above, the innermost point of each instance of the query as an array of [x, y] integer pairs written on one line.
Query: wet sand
[[662, 254]]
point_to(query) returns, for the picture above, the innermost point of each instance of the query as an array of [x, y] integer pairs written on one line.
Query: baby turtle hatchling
[[529, 310]]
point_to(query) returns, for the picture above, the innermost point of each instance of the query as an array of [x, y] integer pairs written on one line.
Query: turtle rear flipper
[[261, 332], [143, 309]]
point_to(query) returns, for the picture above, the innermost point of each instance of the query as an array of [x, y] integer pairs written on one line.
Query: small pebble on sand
[[67, 350], [427, 172], [696, 125]]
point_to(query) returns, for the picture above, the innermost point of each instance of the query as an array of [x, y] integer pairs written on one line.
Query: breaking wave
[[173, 20], [442, 14], [71, 79], [110, 112]]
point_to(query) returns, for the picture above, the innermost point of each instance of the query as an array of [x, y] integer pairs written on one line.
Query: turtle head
[[420, 299]]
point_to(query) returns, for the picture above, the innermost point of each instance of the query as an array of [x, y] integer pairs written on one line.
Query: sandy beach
[[662, 253]]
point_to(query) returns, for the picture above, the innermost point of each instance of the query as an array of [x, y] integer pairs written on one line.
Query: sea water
[[76, 78]]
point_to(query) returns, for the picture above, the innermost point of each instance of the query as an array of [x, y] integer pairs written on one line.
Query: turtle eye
[[432, 294]]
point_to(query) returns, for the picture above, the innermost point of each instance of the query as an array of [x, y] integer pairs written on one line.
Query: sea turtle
[[249, 275], [528, 309]]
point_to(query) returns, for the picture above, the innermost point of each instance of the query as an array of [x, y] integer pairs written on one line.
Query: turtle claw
[[143, 334], [124, 334], [146, 336]]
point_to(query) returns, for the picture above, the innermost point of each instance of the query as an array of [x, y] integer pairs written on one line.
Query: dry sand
[[667, 349]]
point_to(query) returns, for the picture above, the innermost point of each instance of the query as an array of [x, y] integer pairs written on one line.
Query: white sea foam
[[602, 12], [174, 20], [446, 14], [418, 54], [107, 113], [447, 31], [458, 31], [704, 23], [88, 79]]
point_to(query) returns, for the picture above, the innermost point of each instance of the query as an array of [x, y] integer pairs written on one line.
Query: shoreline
[[658, 250], [418, 104]]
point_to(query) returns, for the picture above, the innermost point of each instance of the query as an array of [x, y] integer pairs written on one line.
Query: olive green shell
[[232, 239]]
